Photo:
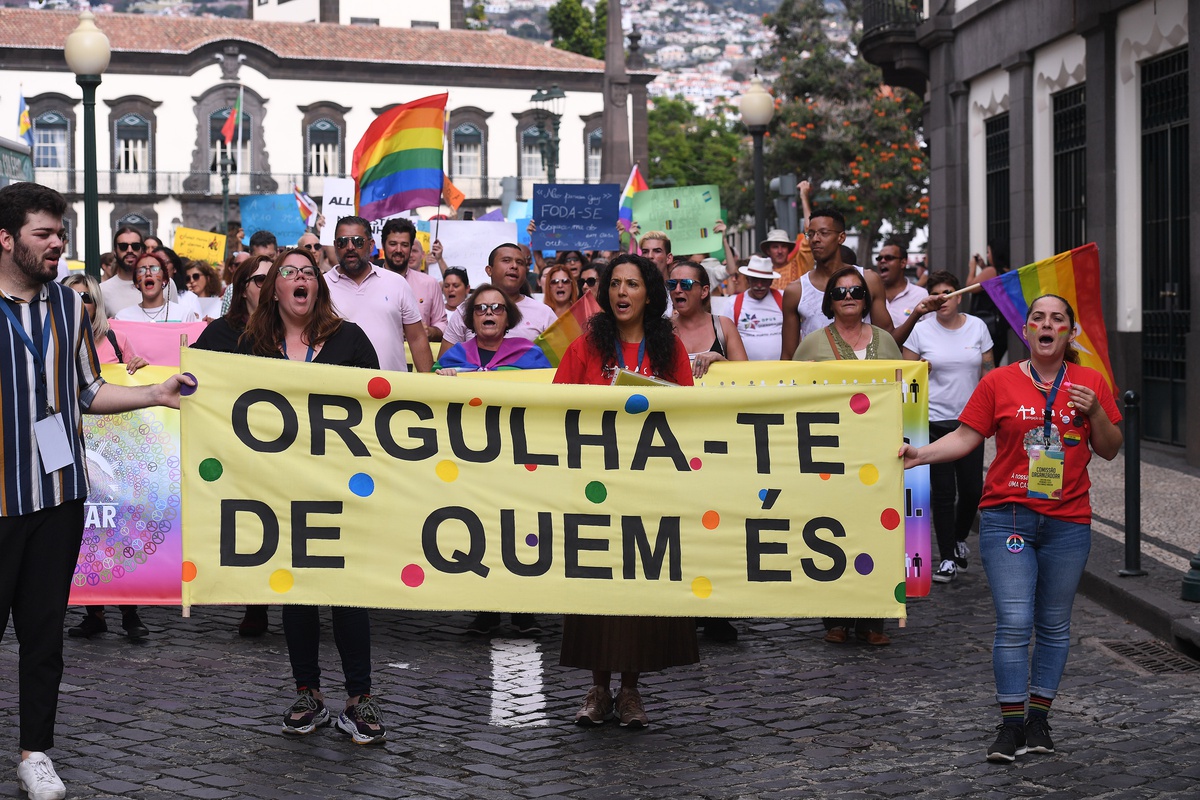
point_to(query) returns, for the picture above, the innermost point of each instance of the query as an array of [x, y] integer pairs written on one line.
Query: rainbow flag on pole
[[555, 339], [1074, 276], [635, 184], [306, 205], [398, 162]]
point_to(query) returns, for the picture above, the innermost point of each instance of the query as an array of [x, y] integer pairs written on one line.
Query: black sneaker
[[362, 723], [1010, 743], [89, 626], [254, 622], [945, 572], [720, 630], [306, 714], [484, 623], [961, 551], [527, 625], [1037, 735], [133, 626]]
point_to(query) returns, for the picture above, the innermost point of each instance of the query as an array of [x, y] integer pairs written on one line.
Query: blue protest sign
[[276, 213], [576, 216]]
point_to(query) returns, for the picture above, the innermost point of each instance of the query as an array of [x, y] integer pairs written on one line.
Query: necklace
[[857, 337], [1042, 385], [154, 317]]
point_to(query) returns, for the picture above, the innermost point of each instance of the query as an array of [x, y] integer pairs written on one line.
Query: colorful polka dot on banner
[[901, 592], [695, 464], [447, 471], [710, 520], [379, 388], [475, 402], [890, 519], [189, 571], [412, 576], [762, 495], [863, 564], [596, 492], [188, 391], [281, 581], [860, 403], [702, 588], [362, 484], [824, 476], [211, 469], [637, 403], [531, 467], [531, 540], [868, 474]]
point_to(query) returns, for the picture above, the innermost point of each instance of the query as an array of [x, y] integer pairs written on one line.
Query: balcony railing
[[880, 16], [889, 41]]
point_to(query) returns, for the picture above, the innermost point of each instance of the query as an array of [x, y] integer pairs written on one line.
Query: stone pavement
[[194, 712]]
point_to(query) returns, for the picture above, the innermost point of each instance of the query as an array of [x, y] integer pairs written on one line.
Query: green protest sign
[[685, 213]]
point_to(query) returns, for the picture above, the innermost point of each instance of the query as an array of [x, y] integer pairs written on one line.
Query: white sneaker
[[946, 572], [38, 778]]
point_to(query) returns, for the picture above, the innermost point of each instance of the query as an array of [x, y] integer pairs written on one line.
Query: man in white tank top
[[802, 299]]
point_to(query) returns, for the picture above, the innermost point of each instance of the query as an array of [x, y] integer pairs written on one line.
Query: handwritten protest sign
[[576, 216], [575, 499], [200, 245], [131, 548], [685, 213], [338, 202], [276, 213], [467, 244]]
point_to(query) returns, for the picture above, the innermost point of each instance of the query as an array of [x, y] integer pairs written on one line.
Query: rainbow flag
[[635, 184], [1074, 276], [398, 162], [306, 206], [555, 339]]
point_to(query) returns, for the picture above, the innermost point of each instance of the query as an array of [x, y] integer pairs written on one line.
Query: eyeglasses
[[297, 273], [824, 234], [853, 292], [314, 247], [86, 297], [195, 276], [136, 247], [882, 257], [257, 280], [687, 284], [589, 281], [560, 281], [357, 241], [496, 309], [569, 259], [151, 270]]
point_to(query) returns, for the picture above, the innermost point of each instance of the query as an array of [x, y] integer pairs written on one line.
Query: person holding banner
[[490, 315], [630, 332], [561, 289], [1048, 414], [850, 337], [295, 320]]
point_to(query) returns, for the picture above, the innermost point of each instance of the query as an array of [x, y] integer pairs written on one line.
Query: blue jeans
[[1033, 582]]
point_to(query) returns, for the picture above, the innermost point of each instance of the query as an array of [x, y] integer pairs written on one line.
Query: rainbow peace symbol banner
[[322, 485]]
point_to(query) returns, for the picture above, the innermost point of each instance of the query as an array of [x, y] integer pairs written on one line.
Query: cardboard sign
[[576, 217], [685, 213], [337, 203], [200, 245]]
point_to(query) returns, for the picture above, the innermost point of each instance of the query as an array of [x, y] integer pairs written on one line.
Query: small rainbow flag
[[1074, 276], [306, 205], [398, 162], [635, 184], [555, 339]]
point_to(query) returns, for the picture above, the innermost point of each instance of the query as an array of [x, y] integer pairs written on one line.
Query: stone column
[[1020, 157], [614, 155]]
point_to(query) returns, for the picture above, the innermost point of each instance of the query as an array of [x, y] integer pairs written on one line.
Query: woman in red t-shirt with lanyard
[[1048, 414], [629, 333]]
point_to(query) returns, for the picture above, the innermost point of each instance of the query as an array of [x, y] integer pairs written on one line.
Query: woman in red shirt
[[1048, 414], [629, 333]]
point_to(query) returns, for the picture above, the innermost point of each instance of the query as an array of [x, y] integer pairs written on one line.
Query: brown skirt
[[628, 644]]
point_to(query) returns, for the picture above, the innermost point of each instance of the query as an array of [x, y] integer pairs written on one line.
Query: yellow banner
[[336, 486], [200, 245]]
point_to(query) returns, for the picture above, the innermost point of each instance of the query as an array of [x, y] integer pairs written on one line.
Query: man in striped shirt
[[49, 376]]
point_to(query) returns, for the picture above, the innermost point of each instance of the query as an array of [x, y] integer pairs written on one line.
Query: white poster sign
[[338, 203], [467, 244]]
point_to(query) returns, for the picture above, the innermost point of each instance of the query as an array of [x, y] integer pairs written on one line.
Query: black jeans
[[954, 492], [40, 551], [351, 634]]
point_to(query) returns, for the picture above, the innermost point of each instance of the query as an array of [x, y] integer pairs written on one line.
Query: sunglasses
[[257, 280], [560, 281], [297, 273], [495, 308], [886, 258], [195, 276], [853, 292], [86, 297], [355, 241], [314, 247], [589, 281], [570, 259], [687, 284], [152, 270], [136, 247]]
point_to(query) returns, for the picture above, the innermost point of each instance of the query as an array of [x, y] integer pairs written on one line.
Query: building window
[[466, 148], [532, 166], [1070, 169], [996, 169], [593, 145], [131, 139], [324, 148], [237, 150], [51, 138], [365, 21]]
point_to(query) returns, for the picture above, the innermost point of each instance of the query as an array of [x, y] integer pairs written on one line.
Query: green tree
[[577, 30], [477, 17], [836, 122], [690, 149]]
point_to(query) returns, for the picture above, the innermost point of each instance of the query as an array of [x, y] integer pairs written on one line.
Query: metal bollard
[[1133, 487]]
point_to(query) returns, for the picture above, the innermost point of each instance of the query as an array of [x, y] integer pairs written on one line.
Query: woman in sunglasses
[[847, 302], [222, 334], [150, 274], [490, 315], [561, 289], [202, 281], [708, 338]]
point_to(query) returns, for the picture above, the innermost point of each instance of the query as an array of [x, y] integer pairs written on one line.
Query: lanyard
[[621, 353], [39, 356], [1053, 393], [308, 357]]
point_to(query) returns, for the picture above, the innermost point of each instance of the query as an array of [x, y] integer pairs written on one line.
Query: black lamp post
[[87, 53], [549, 105], [757, 107], [225, 164]]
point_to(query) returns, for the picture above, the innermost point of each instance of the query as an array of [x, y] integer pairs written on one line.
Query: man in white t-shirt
[[119, 291], [758, 311], [507, 268]]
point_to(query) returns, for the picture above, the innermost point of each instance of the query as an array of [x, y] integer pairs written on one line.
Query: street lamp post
[[549, 105], [757, 107], [87, 53], [224, 164]]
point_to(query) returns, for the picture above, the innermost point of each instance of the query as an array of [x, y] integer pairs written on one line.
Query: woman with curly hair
[[561, 289]]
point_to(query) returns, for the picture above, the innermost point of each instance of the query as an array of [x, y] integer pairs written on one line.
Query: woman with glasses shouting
[[708, 338], [561, 289], [490, 315], [150, 274]]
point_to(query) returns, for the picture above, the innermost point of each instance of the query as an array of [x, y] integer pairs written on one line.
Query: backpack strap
[[112, 339]]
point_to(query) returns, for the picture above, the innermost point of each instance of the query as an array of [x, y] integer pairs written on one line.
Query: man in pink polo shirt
[[378, 301], [398, 236]]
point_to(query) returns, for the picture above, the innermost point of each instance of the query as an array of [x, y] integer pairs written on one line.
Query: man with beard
[[120, 291], [398, 236], [376, 300], [507, 268], [803, 297], [51, 377], [906, 302]]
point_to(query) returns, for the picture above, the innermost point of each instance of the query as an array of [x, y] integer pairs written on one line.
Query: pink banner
[[158, 342]]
